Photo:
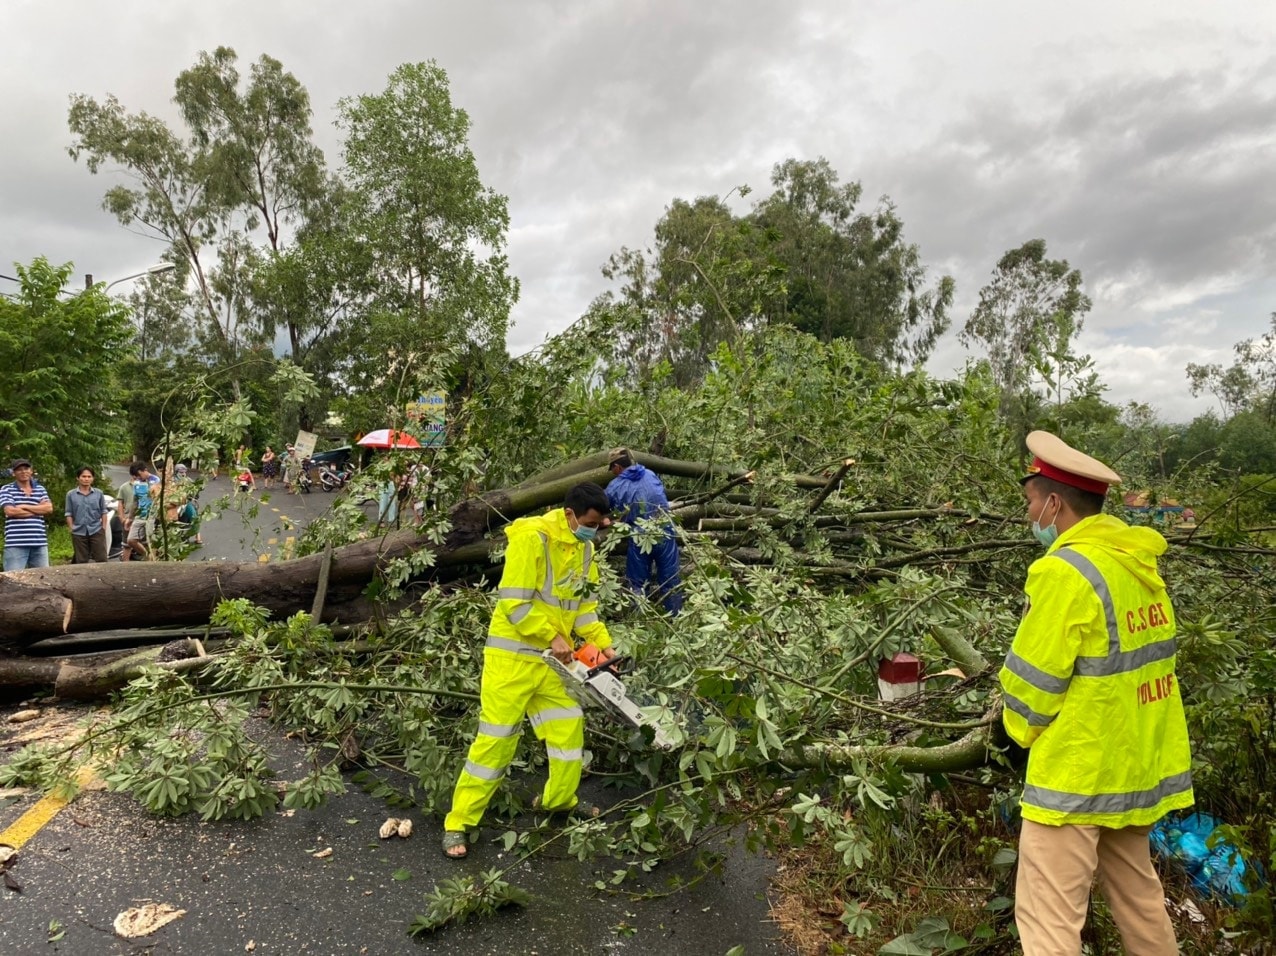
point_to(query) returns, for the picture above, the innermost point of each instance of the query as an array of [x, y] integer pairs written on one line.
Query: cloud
[[1133, 137]]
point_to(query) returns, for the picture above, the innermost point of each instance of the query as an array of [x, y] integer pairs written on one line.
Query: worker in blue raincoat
[[651, 564]]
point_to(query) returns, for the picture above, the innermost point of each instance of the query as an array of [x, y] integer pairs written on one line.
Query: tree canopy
[[59, 399]]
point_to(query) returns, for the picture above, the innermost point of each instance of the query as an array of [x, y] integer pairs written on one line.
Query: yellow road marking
[[272, 540], [290, 545], [44, 810], [263, 558]]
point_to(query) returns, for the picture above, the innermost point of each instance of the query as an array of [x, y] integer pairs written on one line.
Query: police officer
[[1089, 687]]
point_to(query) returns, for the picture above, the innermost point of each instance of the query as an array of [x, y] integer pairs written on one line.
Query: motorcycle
[[332, 478], [304, 481]]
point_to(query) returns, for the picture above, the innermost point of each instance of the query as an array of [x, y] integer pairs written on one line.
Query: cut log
[[91, 676]]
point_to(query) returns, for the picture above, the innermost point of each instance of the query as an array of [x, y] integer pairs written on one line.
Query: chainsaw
[[592, 681]]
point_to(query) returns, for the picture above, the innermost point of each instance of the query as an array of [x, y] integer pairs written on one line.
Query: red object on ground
[[902, 668]]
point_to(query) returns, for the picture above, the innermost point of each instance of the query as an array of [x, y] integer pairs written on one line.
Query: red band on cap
[[1047, 470]]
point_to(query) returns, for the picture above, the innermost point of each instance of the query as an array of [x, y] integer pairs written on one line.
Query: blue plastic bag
[[1216, 874]]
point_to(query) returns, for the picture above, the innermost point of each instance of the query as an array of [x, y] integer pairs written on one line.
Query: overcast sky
[[1137, 138]]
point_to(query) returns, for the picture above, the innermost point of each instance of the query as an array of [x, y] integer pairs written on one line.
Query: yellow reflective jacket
[[548, 588], [1089, 683]]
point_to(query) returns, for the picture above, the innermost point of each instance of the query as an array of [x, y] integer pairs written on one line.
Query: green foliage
[[246, 166], [850, 274], [37, 765], [767, 673], [460, 898], [803, 256], [429, 233], [1027, 319], [58, 390], [1248, 384]]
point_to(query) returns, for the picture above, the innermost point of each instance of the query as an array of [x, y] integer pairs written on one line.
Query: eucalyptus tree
[[849, 272], [1027, 320], [805, 255], [220, 192], [1249, 383]]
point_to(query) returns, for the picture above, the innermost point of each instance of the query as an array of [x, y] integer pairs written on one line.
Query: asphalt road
[[269, 886]]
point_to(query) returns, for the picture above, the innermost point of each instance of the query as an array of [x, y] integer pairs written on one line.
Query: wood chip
[[144, 920], [405, 829], [22, 716], [323, 854], [389, 828]]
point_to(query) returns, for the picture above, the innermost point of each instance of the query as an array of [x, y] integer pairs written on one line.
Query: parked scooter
[[332, 478]]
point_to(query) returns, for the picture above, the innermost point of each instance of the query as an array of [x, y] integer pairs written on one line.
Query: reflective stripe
[[589, 559], [1046, 683], [556, 753], [1087, 569], [483, 773], [518, 594], [1126, 661], [586, 619], [519, 612], [547, 586], [497, 730], [506, 644], [555, 713], [1027, 713], [1117, 661], [1066, 802]]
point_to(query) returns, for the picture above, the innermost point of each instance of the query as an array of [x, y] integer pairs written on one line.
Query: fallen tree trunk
[[43, 603], [91, 677]]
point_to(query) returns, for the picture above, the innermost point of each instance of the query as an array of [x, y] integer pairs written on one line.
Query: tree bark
[[88, 677]]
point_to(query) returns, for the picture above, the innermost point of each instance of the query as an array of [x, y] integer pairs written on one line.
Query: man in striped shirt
[[25, 503]]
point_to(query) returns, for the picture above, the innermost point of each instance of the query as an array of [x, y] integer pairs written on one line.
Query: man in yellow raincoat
[[1089, 687], [546, 594]]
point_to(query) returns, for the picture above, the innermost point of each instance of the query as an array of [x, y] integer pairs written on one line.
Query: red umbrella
[[388, 438]]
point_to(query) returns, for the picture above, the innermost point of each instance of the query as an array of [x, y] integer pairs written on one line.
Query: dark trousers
[[655, 573], [89, 547]]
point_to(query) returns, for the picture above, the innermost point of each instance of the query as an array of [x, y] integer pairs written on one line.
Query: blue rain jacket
[[636, 493]]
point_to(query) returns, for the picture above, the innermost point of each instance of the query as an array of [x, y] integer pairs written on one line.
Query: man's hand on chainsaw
[[561, 648]]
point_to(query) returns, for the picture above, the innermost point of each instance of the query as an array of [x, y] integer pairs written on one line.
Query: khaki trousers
[[1057, 866]]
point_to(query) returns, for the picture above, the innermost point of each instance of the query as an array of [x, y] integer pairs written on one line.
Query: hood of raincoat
[[1135, 549]]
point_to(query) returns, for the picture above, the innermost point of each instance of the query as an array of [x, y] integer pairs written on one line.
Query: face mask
[[1049, 534], [585, 534]]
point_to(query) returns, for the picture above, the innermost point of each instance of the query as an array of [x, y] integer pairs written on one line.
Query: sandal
[[452, 839]]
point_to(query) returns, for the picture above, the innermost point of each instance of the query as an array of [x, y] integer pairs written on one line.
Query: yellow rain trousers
[[513, 686], [546, 590]]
